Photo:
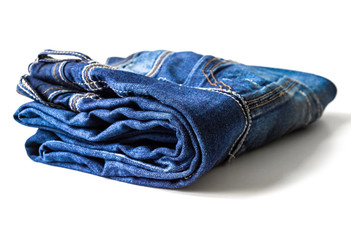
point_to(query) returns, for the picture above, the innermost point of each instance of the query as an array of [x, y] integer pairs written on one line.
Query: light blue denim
[[160, 118]]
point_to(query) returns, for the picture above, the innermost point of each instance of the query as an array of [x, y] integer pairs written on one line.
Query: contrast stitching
[[54, 73], [212, 74], [62, 76], [28, 92], [51, 88], [88, 95], [270, 92], [276, 97], [72, 104], [248, 120], [123, 61], [158, 63], [203, 72], [67, 52], [89, 68], [26, 85], [320, 108], [233, 151], [54, 93], [90, 77]]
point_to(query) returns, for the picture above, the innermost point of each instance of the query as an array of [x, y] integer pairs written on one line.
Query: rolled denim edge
[[211, 157]]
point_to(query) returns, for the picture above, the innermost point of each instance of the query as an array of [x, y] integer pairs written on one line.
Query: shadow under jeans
[[273, 164]]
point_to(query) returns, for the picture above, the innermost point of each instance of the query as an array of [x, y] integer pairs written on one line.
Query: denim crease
[[160, 118]]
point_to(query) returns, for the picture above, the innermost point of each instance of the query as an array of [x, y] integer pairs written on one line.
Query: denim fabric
[[160, 118]]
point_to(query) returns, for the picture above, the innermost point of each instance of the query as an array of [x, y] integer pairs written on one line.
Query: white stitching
[[89, 68], [25, 84], [67, 52], [61, 73], [58, 91], [87, 95], [97, 66], [248, 120], [28, 92]]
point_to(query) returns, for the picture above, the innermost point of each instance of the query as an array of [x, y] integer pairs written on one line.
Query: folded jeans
[[160, 118]]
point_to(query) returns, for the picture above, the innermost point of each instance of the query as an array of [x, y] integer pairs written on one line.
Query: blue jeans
[[160, 118]]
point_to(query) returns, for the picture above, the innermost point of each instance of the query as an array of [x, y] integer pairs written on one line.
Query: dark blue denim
[[160, 118]]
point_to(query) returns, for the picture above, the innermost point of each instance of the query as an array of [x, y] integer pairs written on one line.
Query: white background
[[295, 188]]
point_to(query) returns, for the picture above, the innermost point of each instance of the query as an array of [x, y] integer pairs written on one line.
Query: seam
[[54, 93], [211, 72], [247, 115], [195, 68], [62, 76], [51, 88], [123, 61], [309, 106], [270, 92], [26, 85], [86, 76], [203, 72], [282, 93], [86, 96], [28, 92], [215, 79], [72, 104], [158, 63], [320, 108], [54, 73], [72, 53]]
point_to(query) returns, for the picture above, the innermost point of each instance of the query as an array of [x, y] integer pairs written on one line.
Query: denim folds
[[160, 118]]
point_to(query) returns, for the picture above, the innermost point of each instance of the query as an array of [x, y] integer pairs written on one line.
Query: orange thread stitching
[[276, 97], [74, 101], [214, 78], [203, 72], [51, 89], [54, 72], [270, 92]]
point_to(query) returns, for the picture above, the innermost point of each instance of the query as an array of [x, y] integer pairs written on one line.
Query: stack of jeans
[[160, 118]]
